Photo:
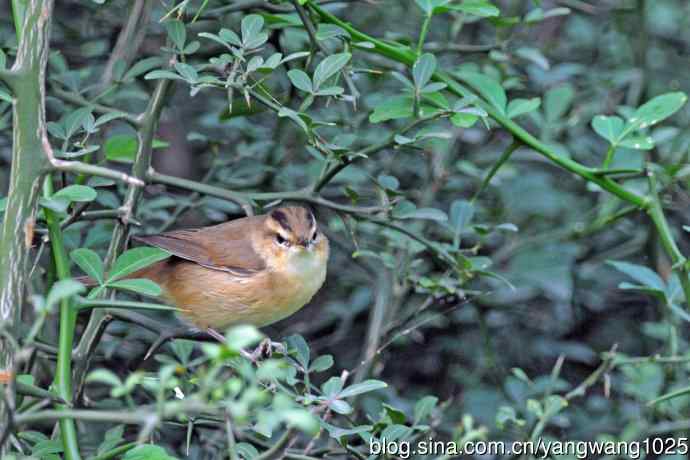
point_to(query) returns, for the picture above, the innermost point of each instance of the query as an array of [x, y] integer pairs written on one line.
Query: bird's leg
[[265, 349]]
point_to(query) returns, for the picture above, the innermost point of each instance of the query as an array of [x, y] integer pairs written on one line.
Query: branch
[[656, 213], [142, 161], [93, 170], [33, 20]]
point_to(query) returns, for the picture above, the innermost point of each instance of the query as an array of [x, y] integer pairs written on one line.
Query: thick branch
[[28, 162]]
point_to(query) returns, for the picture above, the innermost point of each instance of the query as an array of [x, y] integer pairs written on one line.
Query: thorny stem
[[142, 161], [26, 80]]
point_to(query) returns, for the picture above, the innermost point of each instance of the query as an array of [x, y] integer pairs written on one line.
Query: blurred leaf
[[121, 148], [610, 128], [63, 289], [423, 408], [489, 88], [139, 285], [557, 101], [297, 344], [640, 274], [78, 193], [89, 262], [658, 109], [176, 32], [392, 109], [424, 213], [329, 67], [363, 387], [300, 80], [519, 107], [322, 363], [148, 452], [135, 259], [243, 336], [423, 69], [481, 8]]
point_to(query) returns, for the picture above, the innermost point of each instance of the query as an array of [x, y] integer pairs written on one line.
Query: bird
[[254, 270]]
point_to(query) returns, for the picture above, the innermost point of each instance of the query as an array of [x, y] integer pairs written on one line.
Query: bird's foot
[[264, 350]]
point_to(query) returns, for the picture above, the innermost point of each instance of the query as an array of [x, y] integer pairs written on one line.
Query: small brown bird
[[254, 270]]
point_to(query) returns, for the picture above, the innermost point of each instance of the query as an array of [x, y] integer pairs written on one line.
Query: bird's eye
[[313, 236], [281, 241]]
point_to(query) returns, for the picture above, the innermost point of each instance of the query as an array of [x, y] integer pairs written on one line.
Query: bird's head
[[291, 236]]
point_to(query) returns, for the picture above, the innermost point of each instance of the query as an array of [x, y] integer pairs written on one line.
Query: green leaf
[[461, 213], [113, 437], [135, 259], [229, 36], [139, 285], [326, 31], [332, 387], [141, 67], [148, 452], [363, 387], [322, 363], [640, 274], [300, 80], [557, 101], [424, 407], [104, 376], [464, 120], [657, 109], [176, 32], [75, 119], [339, 406], [297, 345], [251, 26], [329, 67], [481, 8], [423, 69], [538, 14], [188, 72], [519, 107], [162, 75], [121, 148], [392, 109], [78, 193], [423, 213], [243, 336], [89, 262], [489, 88], [610, 128], [63, 289], [394, 432], [637, 143]]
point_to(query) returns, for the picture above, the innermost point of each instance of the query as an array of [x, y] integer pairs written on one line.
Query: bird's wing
[[227, 247]]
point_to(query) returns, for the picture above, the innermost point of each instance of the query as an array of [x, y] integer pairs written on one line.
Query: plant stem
[[423, 33], [142, 162], [656, 213], [68, 321], [32, 24]]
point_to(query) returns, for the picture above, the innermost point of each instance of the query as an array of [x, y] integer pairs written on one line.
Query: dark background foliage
[[528, 300]]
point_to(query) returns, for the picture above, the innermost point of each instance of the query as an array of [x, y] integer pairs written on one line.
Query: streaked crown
[[293, 225]]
